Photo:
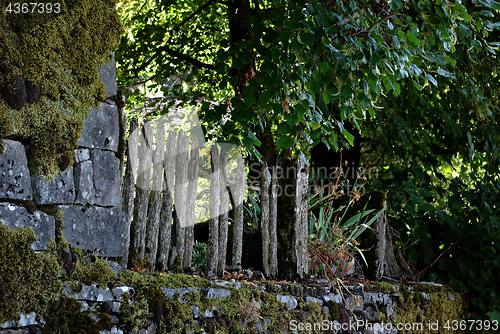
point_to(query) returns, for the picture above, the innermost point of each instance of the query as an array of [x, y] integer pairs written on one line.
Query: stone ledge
[[372, 307]]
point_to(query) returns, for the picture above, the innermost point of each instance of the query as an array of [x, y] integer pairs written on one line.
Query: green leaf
[[292, 119], [456, 201], [477, 44], [431, 79], [444, 73], [411, 37], [346, 91], [284, 142], [307, 38], [348, 136], [249, 100]]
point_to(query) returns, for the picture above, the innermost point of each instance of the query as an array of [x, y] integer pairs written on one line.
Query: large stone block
[[59, 191], [98, 180], [97, 229], [15, 181], [108, 76], [102, 128], [84, 183], [107, 178], [44, 225]]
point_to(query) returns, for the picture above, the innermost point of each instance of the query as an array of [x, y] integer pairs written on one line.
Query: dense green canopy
[[417, 78]]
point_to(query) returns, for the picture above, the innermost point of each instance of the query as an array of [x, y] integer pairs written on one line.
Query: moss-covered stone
[[65, 317], [58, 54], [28, 281]]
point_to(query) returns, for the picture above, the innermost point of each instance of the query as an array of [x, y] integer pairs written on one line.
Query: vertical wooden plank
[[127, 200], [213, 233], [301, 231], [193, 170], [138, 231], [180, 195], [165, 236], [264, 216], [154, 208], [224, 213], [273, 238], [238, 214]]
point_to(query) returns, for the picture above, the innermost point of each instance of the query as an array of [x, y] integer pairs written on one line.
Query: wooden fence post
[[224, 213], [273, 242], [165, 236], [238, 214], [213, 234], [127, 200], [180, 196], [264, 216], [154, 208], [138, 230], [193, 170]]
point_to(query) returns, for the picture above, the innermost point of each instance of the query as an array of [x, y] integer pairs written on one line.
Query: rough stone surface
[[216, 293], [24, 320], [42, 224], [290, 301], [84, 185], [108, 76], [115, 267], [59, 191], [107, 178], [15, 181], [90, 293], [82, 154], [97, 229], [102, 128]]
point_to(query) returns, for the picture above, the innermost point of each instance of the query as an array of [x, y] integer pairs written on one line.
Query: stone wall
[[251, 307], [88, 192]]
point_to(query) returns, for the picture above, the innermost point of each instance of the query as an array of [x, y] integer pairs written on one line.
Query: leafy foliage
[[441, 150], [300, 61], [331, 235], [418, 77]]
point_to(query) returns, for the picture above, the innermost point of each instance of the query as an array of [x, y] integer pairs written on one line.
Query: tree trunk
[[127, 200], [154, 209], [193, 170], [238, 215], [224, 211], [165, 236], [180, 194], [292, 220], [264, 217], [138, 231], [273, 241], [213, 232], [383, 258]]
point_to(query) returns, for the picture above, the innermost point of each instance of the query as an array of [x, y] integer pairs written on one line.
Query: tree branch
[[195, 13], [173, 53]]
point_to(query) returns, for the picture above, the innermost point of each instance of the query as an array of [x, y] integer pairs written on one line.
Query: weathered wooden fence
[[163, 233]]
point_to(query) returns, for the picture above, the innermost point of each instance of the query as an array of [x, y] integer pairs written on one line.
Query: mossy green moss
[[59, 53], [65, 317], [97, 272], [28, 281]]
